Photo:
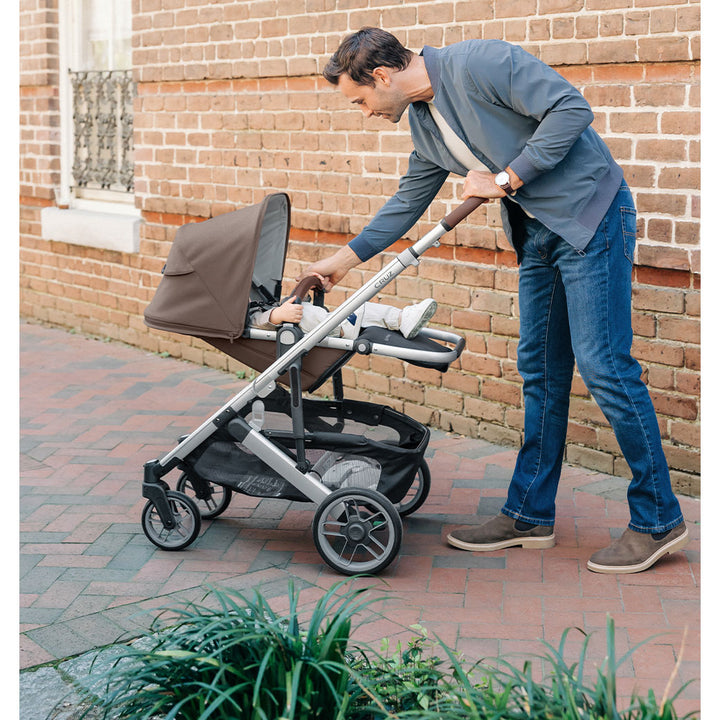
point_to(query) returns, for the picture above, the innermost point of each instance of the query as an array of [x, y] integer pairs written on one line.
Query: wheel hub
[[356, 531]]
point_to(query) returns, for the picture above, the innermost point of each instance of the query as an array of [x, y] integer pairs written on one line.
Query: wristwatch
[[502, 180]]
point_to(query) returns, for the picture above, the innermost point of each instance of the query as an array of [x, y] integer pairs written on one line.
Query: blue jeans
[[576, 306]]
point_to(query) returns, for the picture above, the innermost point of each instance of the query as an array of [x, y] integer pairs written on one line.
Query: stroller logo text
[[385, 279]]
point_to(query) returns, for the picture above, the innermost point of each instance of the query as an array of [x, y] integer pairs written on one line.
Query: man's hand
[[334, 268], [289, 311], [482, 184]]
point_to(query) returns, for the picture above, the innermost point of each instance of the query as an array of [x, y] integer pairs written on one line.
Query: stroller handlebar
[[462, 211], [305, 286]]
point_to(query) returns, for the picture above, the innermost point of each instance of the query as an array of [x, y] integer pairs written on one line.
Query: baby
[[408, 320]]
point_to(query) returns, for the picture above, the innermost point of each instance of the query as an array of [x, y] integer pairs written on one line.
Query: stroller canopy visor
[[216, 267]]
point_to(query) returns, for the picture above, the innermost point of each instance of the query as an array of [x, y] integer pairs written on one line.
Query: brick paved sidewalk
[[93, 412]]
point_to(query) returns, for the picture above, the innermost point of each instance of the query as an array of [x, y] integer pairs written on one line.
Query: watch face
[[502, 178]]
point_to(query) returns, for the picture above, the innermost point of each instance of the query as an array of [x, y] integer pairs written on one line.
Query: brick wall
[[39, 151], [230, 107]]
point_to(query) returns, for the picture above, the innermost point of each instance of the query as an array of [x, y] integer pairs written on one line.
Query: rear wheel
[[417, 492], [357, 531], [186, 518], [213, 505]]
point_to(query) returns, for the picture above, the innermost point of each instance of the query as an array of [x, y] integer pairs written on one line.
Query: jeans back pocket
[[628, 219]]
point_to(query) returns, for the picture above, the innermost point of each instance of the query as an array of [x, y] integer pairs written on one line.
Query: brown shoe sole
[[538, 543], [677, 544]]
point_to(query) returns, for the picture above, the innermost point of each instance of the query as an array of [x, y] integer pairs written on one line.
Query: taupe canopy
[[215, 268], [208, 278]]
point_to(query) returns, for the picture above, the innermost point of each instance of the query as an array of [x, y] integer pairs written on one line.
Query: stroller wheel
[[213, 505], [187, 522], [357, 531], [417, 493]]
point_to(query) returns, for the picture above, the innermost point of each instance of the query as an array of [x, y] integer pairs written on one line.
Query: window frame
[[92, 217]]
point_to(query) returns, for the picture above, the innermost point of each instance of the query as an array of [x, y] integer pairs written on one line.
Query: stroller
[[360, 462]]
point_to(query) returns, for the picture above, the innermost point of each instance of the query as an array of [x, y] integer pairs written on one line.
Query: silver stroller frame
[[177, 514]]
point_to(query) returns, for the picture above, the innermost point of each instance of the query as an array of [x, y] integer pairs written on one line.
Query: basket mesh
[[349, 444]]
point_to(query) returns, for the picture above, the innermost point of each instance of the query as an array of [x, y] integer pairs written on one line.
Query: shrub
[[244, 661], [241, 660], [505, 692]]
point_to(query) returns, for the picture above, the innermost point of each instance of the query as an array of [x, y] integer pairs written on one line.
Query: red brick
[[683, 329], [500, 391], [692, 358], [688, 382], [663, 49], [680, 123], [658, 352], [674, 406], [635, 122], [661, 150], [663, 256], [663, 277], [612, 51]]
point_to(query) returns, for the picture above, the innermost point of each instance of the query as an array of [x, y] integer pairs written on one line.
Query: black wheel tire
[[357, 531], [211, 507], [187, 523], [417, 493]]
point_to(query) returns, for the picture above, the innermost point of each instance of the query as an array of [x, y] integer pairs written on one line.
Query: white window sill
[[92, 228]]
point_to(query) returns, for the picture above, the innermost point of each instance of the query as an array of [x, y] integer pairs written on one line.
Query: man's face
[[383, 99]]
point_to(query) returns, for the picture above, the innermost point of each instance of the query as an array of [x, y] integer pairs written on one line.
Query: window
[[102, 95], [96, 128]]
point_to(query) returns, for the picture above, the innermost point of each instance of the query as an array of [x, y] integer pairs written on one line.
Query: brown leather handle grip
[[462, 211], [305, 286]]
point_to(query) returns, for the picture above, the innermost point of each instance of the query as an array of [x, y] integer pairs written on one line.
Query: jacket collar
[[429, 54]]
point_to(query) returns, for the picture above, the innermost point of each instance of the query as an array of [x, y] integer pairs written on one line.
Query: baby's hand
[[289, 311]]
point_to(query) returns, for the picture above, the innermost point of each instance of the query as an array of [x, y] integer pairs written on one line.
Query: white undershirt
[[457, 148]]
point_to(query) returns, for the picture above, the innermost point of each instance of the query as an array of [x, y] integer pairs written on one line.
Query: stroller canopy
[[216, 267]]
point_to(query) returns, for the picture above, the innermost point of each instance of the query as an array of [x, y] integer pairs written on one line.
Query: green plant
[[405, 679], [242, 660], [505, 692]]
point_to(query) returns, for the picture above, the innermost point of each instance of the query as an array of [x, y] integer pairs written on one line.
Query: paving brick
[[89, 575]]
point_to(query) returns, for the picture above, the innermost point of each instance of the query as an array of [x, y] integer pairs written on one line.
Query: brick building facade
[[230, 106]]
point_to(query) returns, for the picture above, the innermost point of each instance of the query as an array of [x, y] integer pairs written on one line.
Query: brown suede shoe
[[634, 551], [500, 532]]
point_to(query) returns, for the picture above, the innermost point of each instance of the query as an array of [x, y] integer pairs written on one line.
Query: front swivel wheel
[[186, 522], [357, 531]]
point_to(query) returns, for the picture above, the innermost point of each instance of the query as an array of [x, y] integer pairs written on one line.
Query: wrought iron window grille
[[103, 129]]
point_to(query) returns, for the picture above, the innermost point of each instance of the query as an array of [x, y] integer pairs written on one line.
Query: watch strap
[[505, 187]]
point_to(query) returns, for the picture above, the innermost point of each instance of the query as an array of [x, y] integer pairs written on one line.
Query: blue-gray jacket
[[513, 110]]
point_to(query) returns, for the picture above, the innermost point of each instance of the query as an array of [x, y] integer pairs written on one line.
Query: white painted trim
[[118, 207], [105, 230], [65, 40]]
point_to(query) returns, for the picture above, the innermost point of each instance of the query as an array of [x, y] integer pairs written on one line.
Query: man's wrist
[[347, 258], [515, 182]]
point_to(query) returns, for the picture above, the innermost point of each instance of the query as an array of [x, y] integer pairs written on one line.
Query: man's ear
[[381, 75]]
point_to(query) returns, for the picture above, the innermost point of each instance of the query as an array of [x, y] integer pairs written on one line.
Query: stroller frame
[[363, 510]]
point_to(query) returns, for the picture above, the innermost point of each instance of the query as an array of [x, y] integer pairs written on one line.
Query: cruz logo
[[384, 280]]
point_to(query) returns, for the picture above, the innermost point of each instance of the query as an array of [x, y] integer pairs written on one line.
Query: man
[[518, 131]]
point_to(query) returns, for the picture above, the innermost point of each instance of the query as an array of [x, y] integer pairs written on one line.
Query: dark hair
[[360, 53]]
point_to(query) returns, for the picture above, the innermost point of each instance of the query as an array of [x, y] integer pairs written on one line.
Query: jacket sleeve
[[416, 190], [260, 319], [508, 75]]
